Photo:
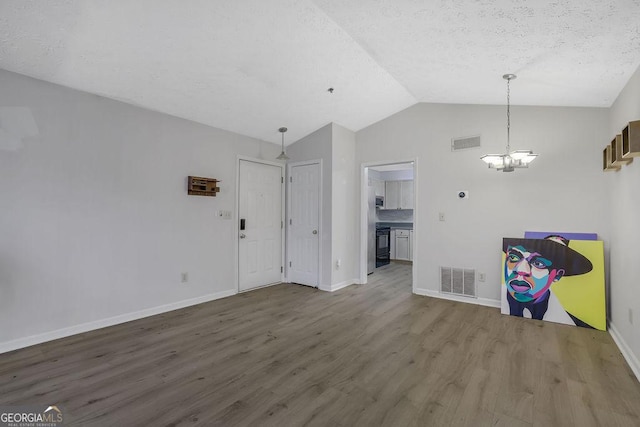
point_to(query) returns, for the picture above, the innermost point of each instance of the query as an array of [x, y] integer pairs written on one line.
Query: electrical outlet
[[227, 214], [184, 277], [338, 263], [482, 277], [219, 214], [441, 216]]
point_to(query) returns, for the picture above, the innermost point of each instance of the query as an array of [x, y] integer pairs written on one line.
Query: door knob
[[242, 236], [315, 231]]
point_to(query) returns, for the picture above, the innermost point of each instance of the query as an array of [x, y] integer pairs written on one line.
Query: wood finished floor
[[366, 355]]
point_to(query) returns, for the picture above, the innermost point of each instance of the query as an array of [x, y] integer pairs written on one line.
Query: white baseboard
[[103, 323], [337, 286], [469, 300], [626, 351]]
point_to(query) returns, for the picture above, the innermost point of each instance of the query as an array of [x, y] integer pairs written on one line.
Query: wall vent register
[[465, 143], [458, 281]]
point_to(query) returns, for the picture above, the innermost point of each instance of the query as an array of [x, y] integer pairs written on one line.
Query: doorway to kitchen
[[388, 219]]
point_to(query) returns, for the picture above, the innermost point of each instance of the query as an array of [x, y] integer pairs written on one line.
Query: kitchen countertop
[[396, 225]]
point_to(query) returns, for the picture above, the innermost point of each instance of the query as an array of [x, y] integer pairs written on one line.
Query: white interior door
[[260, 214], [303, 247]]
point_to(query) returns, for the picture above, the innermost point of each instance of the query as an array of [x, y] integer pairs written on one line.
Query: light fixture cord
[[508, 116], [282, 141]]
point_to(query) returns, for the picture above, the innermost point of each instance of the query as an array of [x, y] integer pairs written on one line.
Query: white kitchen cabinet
[[378, 186], [398, 195], [403, 245], [406, 194], [392, 195]]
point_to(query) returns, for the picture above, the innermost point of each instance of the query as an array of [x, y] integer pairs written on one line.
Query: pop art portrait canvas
[[554, 279]]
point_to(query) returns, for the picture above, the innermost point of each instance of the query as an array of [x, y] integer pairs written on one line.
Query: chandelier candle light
[[511, 159]]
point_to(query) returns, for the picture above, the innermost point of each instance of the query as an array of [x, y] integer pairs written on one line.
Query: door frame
[[364, 211], [236, 217], [288, 202]]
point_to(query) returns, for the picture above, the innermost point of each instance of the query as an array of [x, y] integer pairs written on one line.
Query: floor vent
[[464, 143], [458, 281]]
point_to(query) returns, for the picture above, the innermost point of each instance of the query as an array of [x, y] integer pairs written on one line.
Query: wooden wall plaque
[[199, 186]]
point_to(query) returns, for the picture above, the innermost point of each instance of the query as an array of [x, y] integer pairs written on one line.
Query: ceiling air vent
[[464, 143]]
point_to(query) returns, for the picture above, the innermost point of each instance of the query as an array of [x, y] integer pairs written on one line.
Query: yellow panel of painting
[[584, 296]]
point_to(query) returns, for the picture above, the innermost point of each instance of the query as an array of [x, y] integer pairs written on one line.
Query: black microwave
[[379, 201]]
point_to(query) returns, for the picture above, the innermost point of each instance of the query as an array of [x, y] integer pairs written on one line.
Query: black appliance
[[383, 246]]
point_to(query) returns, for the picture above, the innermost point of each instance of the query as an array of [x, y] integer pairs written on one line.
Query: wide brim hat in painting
[[557, 250]]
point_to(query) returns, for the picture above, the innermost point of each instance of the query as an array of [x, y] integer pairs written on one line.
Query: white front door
[[259, 225], [304, 224]]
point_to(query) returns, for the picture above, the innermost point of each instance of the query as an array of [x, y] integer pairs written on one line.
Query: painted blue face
[[528, 275]]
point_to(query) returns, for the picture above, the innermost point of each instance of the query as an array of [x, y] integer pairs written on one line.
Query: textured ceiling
[[251, 66]]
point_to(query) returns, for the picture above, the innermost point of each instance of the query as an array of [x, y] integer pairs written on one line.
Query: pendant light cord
[[508, 116], [283, 155]]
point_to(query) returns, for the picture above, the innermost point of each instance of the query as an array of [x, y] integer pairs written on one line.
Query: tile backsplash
[[398, 215]]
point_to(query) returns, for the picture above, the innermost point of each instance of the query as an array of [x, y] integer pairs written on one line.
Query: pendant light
[[283, 155], [511, 160]]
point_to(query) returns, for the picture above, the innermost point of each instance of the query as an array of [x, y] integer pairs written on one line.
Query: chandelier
[[510, 160]]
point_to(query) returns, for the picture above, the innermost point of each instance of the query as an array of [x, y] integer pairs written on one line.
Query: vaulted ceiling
[[251, 66]]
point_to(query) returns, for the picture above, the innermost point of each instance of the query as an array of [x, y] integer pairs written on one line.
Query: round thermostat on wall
[[463, 194]]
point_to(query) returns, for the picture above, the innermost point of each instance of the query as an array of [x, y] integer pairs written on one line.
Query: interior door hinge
[[289, 263], [281, 224], [290, 179], [290, 221], [281, 269], [282, 180]]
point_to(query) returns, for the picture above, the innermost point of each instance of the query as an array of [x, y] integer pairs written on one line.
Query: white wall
[[624, 205], [375, 175], [563, 190], [95, 221], [399, 175], [314, 146], [335, 145], [345, 195]]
